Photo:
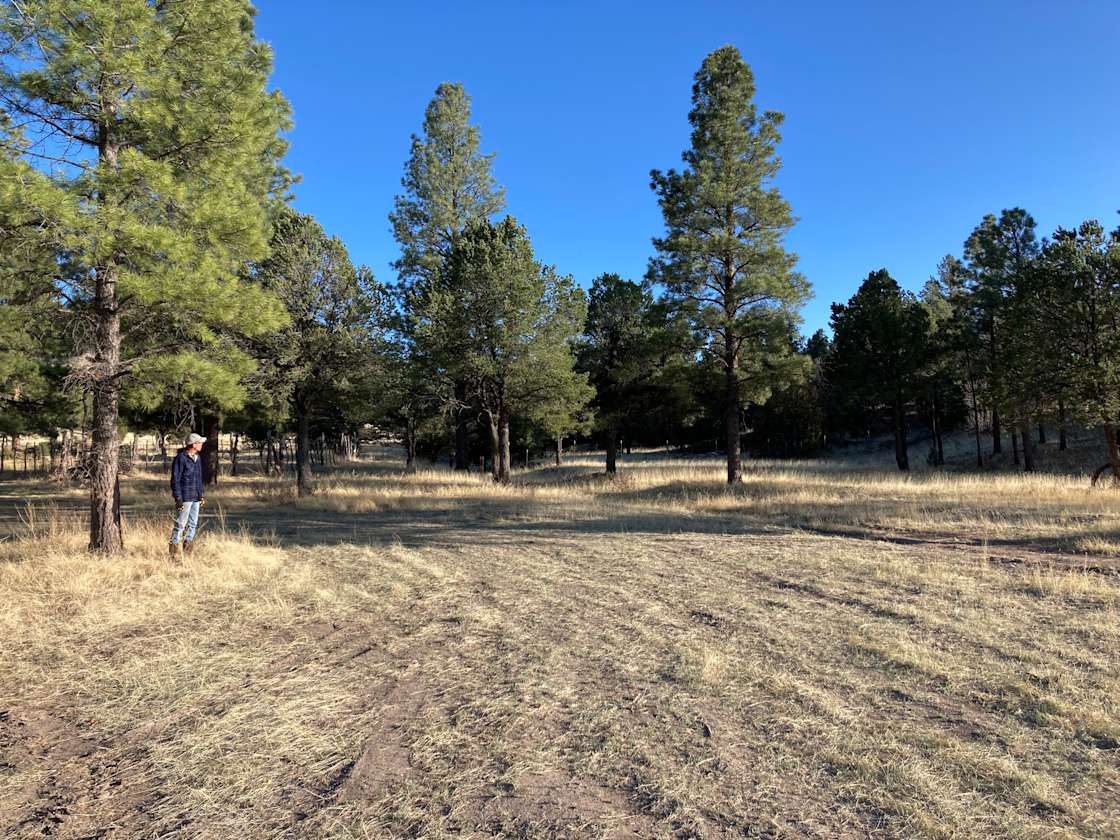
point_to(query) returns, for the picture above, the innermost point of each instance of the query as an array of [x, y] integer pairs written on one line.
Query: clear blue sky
[[905, 122]]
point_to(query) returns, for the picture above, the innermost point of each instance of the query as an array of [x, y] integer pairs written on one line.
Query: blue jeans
[[185, 523]]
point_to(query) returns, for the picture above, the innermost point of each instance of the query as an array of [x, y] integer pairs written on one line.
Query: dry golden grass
[[429, 655]]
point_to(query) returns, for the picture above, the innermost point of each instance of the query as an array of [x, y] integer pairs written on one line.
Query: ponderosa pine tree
[[447, 184], [879, 349], [956, 341], [722, 257], [326, 351], [613, 351], [502, 323], [156, 144], [634, 355], [997, 252], [1076, 294]]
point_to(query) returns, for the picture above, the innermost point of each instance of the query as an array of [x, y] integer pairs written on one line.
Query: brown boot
[[188, 547], [175, 550]]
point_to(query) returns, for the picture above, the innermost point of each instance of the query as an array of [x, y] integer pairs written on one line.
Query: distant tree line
[[1014, 336], [155, 278]]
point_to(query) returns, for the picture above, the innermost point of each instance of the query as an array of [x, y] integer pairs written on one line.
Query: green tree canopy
[[322, 360], [156, 147], [723, 256], [447, 184], [879, 349], [499, 321]]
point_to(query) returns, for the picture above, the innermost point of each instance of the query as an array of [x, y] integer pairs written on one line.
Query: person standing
[[186, 489]]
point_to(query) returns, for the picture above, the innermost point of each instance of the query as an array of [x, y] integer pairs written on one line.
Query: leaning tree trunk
[[901, 455], [211, 463], [504, 473], [105, 534], [612, 451], [304, 477]]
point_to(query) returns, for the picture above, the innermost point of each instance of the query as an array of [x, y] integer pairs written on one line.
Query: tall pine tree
[[447, 184], [156, 142], [722, 256], [998, 253]]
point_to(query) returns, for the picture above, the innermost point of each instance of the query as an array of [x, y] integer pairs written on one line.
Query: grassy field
[[827, 651]]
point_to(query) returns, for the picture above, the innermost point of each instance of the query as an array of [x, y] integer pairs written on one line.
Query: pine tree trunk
[[63, 458], [233, 441], [997, 442], [1014, 447], [1113, 452], [1061, 426], [211, 464], [612, 451], [1028, 447], [303, 446], [504, 473], [1041, 433], [901, 455], [732, 408], [559, 449], [495, 445], [409, 451], [105, 534]]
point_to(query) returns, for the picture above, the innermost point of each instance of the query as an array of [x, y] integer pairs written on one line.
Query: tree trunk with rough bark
[[612, 451], [304, 478], [504, 472], [494, 446], [211, 461], [105, 533], [1028, 446], [731, 415], [1113, 451]]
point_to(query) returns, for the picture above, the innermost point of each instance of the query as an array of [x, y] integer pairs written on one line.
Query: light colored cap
[[193, 439]]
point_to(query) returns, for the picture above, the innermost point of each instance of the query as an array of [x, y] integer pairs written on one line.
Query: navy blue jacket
[[186, 477]]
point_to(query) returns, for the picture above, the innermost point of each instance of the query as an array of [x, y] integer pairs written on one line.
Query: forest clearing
[[559, 420], [435, 655]]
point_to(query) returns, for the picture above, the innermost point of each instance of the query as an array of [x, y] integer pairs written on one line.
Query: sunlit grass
[[679, 659]]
